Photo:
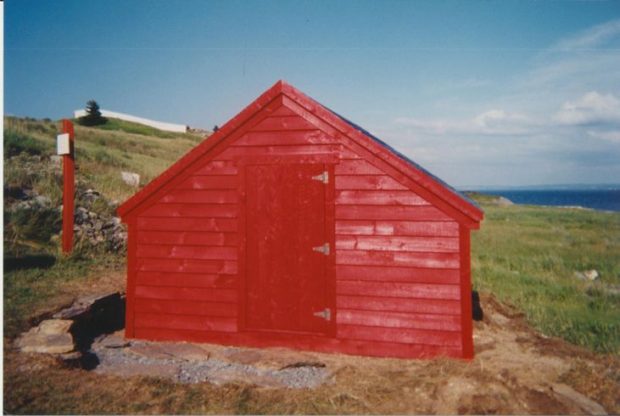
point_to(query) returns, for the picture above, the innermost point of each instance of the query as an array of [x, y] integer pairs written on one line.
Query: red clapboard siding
[[187, 252], [160, 320], [210, 182], [181, 293], [187, 224], [416, 336], [399, 320], [284, 138], [398, 290], [187, 307], [378, 197], [283, 111], [397, 258], [187, 237], [286, 123], [385, 243], [218, 167], [374, 303], [400, 228], [253, 151], [423, 228], [348, 154], [187, 266], [368, 182], [200, 196], [186, 279], [381, 212], [193, 210], [398, 274], [356, 167]]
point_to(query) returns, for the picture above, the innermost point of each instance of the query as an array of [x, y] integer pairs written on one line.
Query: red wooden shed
[[291, 226]]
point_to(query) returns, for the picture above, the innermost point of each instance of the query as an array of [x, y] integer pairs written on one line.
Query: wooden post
[[68, 193]]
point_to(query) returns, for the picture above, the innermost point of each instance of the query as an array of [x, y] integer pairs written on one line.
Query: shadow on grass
[[34, 261]]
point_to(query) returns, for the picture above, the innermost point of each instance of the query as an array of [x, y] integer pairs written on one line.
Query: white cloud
[[610, 136], [591, 108], [492, 122], [502, 122], [592, 37]]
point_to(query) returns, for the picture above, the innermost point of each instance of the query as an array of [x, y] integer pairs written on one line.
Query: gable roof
[[463, 209]]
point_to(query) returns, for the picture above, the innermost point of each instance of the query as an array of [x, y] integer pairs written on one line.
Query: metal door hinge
[[322, 249], [322, 177], [325, 314]]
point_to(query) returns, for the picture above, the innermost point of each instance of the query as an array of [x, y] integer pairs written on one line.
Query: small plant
[[16, 143], [35, 223], [93, 115]]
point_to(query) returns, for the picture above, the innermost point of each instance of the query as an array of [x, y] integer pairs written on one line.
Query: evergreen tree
[[93, 115], [92, 109]]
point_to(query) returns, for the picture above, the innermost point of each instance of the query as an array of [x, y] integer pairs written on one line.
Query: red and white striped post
[[68, 192]]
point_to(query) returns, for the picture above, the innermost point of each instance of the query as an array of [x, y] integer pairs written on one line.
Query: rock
[[42, 201], [70, 356], [243, 356], [115, 340], [580, 276], [52, 336], [54, 326], [591, 274], [56, 161], [503, 202], [131, 178], [86, 304], [150, 351], [187, 352], [565, 392]]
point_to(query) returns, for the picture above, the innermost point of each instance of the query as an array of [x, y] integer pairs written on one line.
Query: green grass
[[114, 124], [528, 256]]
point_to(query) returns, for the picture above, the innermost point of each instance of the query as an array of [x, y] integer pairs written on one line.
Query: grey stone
[[56, 161], [85, 304], [42, 201], [131, 179], [565, 392], [591, 275], [51, 336], [503, 201]]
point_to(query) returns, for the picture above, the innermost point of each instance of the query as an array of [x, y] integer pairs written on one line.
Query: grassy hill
[[102, 152], [525, 256]]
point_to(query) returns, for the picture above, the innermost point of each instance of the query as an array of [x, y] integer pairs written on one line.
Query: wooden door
[[286, 256]]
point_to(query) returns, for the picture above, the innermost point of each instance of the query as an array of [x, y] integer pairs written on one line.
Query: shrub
[[16, 143], [33, 223]]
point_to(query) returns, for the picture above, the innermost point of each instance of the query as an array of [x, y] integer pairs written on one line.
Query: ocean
[[600, 199]]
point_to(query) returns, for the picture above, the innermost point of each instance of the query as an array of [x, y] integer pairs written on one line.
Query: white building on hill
[[178, 128]]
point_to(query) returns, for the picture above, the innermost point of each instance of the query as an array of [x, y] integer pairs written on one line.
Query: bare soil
[[516, 371]]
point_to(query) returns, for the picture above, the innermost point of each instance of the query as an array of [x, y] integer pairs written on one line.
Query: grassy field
[[527, 256], [102, 152]]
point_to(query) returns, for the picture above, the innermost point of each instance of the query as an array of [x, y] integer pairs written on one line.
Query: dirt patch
[[516, 370]]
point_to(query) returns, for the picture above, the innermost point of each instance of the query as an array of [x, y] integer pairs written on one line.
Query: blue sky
[[486, 93]]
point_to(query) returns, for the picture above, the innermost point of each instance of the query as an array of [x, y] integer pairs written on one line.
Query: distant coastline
[[593, 198]]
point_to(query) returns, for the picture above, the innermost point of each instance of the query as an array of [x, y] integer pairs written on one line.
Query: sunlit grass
[[528, 256]]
